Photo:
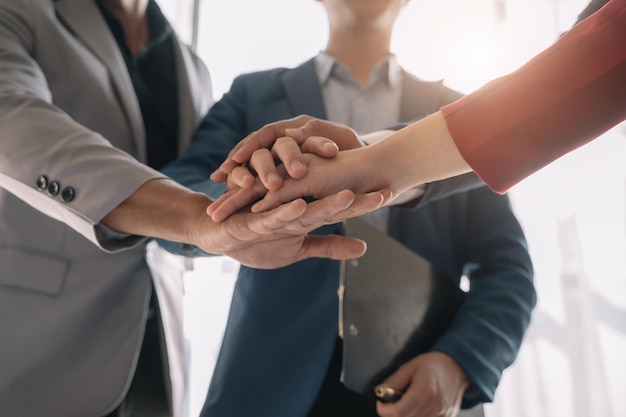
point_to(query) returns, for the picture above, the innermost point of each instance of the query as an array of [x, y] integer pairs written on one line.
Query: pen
[[387, 394]]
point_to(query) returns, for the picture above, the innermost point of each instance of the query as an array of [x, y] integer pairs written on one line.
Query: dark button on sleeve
[[42, 182], [54, 188], [68, 194]]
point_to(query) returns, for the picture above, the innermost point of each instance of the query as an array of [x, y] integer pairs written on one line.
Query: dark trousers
[[335, 400], [147, 396]]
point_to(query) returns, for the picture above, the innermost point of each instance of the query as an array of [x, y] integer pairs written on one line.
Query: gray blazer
[[72, 303]]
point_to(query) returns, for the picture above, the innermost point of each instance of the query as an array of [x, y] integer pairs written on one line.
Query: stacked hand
[[291, 159], [279, 237]]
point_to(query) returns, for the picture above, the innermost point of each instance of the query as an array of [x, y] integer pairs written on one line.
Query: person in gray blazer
[[281, 355], [74, 127], [95, 97]]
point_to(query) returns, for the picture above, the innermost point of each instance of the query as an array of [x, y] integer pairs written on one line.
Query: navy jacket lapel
[[303, 90], [421, 98]]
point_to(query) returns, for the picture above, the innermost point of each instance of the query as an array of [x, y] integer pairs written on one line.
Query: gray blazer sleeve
[[39, 140]]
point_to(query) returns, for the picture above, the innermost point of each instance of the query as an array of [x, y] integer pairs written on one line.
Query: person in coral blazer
[[566, 96]]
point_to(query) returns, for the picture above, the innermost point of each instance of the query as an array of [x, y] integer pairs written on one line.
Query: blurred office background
[[573, 362]]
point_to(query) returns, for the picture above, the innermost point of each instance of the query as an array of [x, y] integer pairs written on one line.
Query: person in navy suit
[[280, 354]]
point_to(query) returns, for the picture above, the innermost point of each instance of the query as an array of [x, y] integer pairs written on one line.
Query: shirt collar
[[388, 67]]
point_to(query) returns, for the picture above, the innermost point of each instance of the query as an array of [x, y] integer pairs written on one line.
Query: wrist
[[188, 219], [160, 208], [369, 171]]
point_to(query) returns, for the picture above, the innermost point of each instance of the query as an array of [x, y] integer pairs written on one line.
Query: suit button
[[68, 194], [54, 188], [42, 182]]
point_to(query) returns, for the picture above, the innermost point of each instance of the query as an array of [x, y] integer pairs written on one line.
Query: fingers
[[399, 381], [260, 139], [363, 203], [264, 138], [280, 237], [321, 146], [319, 213], [332, 247], [262, 161], [240, 177], [293, 218], [219, 176], [287, 192], [344, 137], [288, 152], [433, 386], [233, 201]]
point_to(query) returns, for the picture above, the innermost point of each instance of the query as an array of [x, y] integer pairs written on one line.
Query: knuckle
[[313, 124], [284, 140]]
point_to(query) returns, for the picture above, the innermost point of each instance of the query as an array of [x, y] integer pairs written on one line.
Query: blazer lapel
[[85, 20], [303, 90], [419, 98]]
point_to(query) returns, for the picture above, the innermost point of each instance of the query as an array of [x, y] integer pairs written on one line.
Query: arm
[[391, 164], [38, 138], [566, 96], [167, 210], [396, 160], [488, 331], [117, 193], [488, 245]]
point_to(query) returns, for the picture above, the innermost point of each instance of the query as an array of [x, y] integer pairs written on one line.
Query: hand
[[348, 170], [433, 386], [164, 209], [280, 237], [283, 141]]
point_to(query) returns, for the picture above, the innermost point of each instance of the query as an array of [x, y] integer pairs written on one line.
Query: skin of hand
[[417, 154], [164, 209], [433, 385], [262, 148], [324, 176]]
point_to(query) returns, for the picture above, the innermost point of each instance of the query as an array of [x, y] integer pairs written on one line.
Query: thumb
[[332, 247]]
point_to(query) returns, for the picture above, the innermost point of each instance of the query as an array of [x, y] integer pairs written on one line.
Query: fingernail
[[257, 207], [234, 157], [331, 145], [248, 180], [298, 166], [273, 177]]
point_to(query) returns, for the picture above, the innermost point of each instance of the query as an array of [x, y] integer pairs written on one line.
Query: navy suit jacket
[[282, 325]]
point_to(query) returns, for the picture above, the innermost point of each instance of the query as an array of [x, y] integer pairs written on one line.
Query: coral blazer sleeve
[[563, 98]]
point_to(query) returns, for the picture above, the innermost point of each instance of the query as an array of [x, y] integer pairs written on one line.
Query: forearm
[[160, 208], [564, 97], [420, 153]]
